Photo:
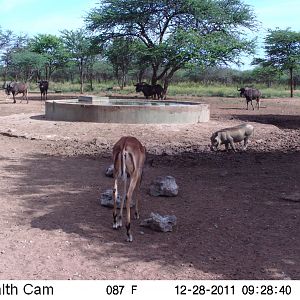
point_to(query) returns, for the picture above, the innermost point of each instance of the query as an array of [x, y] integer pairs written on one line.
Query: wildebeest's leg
[[257, 103], [252, 104], [115, 195], [26, 95], [14, 97]]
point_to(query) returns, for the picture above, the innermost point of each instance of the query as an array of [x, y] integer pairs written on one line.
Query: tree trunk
[[166, 85], [167, 80], [81, 77], [141, 75], [291, 82], [154, 74]]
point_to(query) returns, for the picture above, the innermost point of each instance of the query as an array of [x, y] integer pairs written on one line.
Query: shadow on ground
[[231, 219], [281, 121]]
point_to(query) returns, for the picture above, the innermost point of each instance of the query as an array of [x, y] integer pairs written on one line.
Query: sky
[[51, 16]]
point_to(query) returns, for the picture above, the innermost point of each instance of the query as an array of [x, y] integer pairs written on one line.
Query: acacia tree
[[177, 32], [81, 49], [53, 49], [121, 53], [5, 38], [25, 64], [282, 48], [9, 45]]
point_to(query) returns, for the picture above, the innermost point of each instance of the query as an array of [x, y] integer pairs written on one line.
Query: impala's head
[[215, 142]]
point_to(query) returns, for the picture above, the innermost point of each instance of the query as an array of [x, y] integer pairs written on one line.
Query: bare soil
[[233, 222]]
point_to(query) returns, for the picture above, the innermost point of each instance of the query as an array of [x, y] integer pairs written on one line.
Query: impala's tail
[[124, 156]]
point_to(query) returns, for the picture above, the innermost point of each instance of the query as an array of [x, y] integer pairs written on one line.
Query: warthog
[[230, 136], [16, 88], [149, 90], [250, 94]]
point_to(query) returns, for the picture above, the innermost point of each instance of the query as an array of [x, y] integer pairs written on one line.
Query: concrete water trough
[[127, 111]]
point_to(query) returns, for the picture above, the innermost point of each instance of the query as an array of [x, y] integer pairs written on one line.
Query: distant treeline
[[103, 72]]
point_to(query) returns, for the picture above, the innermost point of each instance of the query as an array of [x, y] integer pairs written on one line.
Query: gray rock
[[164, 186], [110, 171], [106, 199], [160, 223]]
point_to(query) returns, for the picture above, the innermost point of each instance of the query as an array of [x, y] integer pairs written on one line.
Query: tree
[[81, 49], [282, 47], [10, 44], [177, 32], [121, 53], [53, 49], [5, 38], [26, 63], [265, 73]]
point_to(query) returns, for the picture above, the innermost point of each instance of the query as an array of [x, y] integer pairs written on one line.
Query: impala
[[128, 156]]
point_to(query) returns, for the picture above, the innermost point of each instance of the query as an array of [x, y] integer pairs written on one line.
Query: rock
[[164, 186], [110, 171], [106, 199], [160, 223], [295, 197]]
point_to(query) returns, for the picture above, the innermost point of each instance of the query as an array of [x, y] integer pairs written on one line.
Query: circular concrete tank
[[105, 110]]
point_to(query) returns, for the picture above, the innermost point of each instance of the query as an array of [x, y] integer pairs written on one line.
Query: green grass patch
[[175, 89]]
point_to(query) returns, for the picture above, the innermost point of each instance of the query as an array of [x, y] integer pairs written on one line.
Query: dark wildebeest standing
[[16, 88], [250, 94], [43, 85], [149, 90]]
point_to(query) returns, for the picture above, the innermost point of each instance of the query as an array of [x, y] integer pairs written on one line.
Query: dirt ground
[[233, 222]]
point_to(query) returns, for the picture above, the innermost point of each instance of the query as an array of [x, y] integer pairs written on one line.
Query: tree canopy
[[282, 47], [52, 48], [81, 49], [177, 32]]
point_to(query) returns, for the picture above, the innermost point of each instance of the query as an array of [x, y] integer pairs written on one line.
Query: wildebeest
[[128, 156], [230, 136], [16, 88], [250, 94], [43, 85], [149, 90]]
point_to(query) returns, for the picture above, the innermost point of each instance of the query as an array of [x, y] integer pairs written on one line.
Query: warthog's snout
[[213, 148]]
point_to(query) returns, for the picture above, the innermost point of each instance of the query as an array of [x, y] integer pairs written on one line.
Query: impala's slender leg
[[120, 217], [132, 185], [137, 205], [115, 195]]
